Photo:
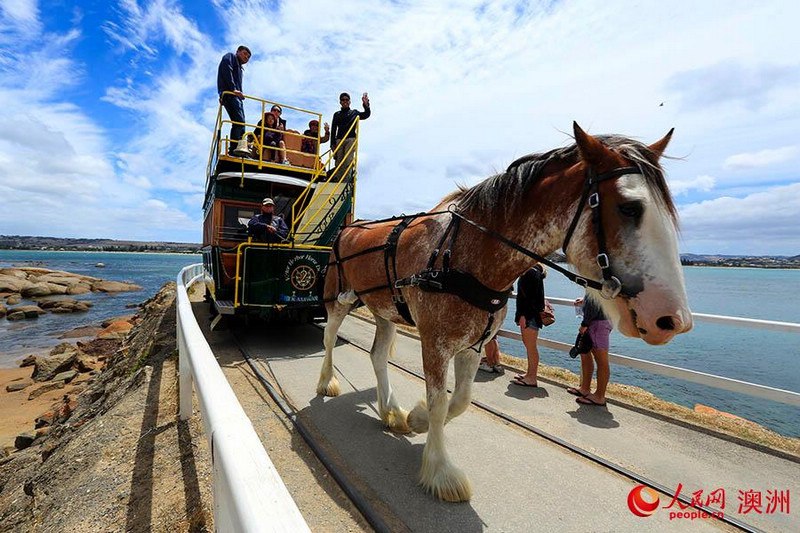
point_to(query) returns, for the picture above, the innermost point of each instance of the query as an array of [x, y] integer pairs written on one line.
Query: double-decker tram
[[277, 276]]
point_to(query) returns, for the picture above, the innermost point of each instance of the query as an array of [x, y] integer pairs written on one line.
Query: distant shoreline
[[148, 252]]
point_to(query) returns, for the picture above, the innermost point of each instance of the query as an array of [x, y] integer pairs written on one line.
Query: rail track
[[373, 517]]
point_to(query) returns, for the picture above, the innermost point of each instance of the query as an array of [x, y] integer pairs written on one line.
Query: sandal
[[576, 392]]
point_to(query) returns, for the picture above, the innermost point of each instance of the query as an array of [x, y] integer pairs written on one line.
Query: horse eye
[[631, 210]]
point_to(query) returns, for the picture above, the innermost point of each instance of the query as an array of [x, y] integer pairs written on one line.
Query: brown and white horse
[[532, 203]]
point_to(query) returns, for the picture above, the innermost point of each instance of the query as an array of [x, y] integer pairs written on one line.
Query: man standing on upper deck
[[229, 78], [342, 120]]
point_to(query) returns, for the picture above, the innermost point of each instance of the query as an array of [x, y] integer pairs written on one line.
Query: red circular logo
[[642, 501]]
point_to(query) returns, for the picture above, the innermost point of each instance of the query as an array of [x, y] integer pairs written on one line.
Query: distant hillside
[[765, 261], [21, 242]]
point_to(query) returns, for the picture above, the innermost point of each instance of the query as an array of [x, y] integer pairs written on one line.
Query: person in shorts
[[598, 327], [530, 304]]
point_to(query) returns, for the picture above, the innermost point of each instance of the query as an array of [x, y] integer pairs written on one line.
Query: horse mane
[[508, 188]]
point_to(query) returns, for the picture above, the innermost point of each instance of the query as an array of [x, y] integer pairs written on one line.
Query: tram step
[[225, 307]]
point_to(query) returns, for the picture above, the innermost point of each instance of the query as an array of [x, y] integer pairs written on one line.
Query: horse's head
[[639, 222]]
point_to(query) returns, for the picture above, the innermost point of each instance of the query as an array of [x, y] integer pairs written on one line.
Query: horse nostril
[[666, 323]]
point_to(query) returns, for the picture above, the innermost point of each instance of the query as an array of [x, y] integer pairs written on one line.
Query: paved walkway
[[521, 482]]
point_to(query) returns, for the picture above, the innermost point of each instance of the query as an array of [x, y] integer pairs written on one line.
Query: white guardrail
[[249, 495], [719, 382]]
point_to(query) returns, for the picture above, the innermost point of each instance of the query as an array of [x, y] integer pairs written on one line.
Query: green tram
[[315, 199]]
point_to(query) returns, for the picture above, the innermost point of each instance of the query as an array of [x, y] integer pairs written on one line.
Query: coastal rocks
[[704, 409], [3, 310], [116, 330], [14, 299], [15, 315], [66, 376], [64, 305], [24, 440], [113, 286], [14, 387], [28, 361], [124, 318], [60, 359], [29, 311], [47, 387]]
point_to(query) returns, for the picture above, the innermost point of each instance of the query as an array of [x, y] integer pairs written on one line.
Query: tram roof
[[261, 176]]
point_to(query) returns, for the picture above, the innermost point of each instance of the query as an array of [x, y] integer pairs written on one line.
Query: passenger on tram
[[309, 146], [273, 148], [267, 226], [342, 120], [229, 79]]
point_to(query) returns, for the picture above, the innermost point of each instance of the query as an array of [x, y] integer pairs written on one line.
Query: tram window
[[234, 222]]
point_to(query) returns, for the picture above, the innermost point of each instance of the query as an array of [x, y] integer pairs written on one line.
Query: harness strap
[[390, 256], [437, 249]]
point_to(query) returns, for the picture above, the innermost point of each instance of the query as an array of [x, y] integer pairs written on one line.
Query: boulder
[[28, 361], [79, 288], [15, 315], [42, 432], [30, 311], [116, 330], [55, 288], [66, 409], [13, 272], [124, 318], [45, 419], [3, 310], [13, 284], [113, 286], [47, 387], [60, 359], [24, 440], [14, 387], [100, 265], [35, 290], [14, 299], [66, 376]]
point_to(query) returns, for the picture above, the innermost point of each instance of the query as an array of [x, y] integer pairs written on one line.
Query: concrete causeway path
[[521, 482]]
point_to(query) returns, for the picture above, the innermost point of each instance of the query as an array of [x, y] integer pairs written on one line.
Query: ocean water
[[150, 271], [765, 357]]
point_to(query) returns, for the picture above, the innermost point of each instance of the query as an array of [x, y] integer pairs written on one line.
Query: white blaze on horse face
[[648, 261]]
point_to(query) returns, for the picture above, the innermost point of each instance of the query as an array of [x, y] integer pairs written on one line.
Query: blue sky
[[106, 107]]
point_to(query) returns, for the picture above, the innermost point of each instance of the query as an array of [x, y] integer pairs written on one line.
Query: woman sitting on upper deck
[[273, 147]]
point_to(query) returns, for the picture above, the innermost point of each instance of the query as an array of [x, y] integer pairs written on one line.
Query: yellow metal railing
[[224, 145]]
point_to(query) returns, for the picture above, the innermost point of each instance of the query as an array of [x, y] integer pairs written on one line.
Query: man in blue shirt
[[267, 226], [229, 78]]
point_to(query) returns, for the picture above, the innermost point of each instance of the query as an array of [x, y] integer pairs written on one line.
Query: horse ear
[[592, 151], [659, 146]]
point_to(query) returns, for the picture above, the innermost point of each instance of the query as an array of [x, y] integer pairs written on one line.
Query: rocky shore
[[48, 291], [90, 438]]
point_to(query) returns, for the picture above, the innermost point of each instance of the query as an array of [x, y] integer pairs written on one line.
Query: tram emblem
[[302, 272], [303, 277]]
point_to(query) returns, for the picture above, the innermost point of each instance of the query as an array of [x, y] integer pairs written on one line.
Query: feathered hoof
[[397, 420], [447, 483], [328, 387], [418, 418]]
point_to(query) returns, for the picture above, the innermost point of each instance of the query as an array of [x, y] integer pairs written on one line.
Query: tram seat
[[294, 142]]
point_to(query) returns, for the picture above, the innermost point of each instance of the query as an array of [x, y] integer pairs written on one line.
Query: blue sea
[[765, 357]]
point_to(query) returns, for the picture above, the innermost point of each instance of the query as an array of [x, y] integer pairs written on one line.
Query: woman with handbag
[[596, 329], [530, 305]]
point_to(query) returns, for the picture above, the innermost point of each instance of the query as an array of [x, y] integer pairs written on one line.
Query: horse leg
[[466, 365], [328, 384], [439, 476], [394, 416]]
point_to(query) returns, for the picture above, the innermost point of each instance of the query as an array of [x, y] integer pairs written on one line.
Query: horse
[[626, 233]]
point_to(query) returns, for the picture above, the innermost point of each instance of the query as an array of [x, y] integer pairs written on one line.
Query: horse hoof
[[418, 418], [397, 420], [329, 388], [448, 483]]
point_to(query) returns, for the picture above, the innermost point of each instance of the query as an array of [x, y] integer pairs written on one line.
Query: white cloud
[[763, 158], [760, 223], [701, 183]]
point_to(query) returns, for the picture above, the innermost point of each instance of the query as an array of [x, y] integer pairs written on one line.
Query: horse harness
[[465, 285]]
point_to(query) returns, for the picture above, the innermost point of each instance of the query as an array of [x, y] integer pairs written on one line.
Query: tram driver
[[267, 226]]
